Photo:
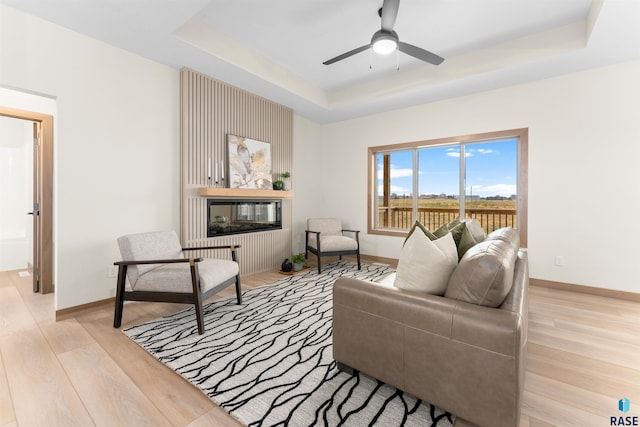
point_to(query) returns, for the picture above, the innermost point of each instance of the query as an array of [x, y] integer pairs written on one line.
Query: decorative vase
[[286, 266], [278, 185], [287, 184], [297, 267]]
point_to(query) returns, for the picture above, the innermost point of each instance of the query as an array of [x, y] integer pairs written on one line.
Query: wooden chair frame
[[197, 297], [317, 251]]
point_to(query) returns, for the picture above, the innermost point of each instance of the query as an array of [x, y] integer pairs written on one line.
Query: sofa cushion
[[506, 234], [484, 275], [334, 243], [177, 277], [426, 265]]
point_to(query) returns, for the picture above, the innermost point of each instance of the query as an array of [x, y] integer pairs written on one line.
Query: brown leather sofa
[[463, 357]]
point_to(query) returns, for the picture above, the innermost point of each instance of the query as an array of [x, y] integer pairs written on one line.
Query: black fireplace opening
[[226, 217]]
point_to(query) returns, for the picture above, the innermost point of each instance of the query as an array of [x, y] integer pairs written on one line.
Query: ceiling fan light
[[384, 45], [384, 42]]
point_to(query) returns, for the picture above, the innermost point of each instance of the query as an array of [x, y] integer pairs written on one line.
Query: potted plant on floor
[[298, 261], [286, 266]]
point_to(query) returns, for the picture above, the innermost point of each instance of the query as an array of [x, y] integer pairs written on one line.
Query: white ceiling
[[275, 48]]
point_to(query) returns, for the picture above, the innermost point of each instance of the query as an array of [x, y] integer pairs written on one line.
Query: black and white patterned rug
[[269, 361]]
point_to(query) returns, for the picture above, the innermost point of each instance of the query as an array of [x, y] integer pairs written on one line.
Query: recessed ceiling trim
[[528, 49], [594, 13], [198, 34], [525, 50]]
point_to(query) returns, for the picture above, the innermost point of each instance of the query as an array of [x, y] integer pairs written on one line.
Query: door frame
[[45, 245]]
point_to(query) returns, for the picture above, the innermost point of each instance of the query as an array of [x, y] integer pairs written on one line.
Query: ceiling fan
[[386, 40]]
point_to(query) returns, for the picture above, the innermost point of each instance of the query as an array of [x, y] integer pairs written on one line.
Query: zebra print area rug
[[269, 361]]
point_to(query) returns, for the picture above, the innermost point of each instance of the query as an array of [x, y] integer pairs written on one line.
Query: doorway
[[42, 207]]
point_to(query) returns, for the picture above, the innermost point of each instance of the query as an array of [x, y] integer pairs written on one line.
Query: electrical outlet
[[112, 271], [559, 261]]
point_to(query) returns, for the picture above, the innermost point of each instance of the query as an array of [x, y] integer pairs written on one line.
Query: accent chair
[[157, 271], [325, 237]]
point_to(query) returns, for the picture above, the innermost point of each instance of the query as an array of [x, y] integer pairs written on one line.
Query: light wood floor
[[584, 355]]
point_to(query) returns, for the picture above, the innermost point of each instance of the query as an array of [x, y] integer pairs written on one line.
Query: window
[[478, 176]]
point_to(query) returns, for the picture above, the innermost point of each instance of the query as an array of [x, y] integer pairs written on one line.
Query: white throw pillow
[[426, 265]]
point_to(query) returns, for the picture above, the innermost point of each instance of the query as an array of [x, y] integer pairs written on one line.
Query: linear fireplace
[[226, 217]]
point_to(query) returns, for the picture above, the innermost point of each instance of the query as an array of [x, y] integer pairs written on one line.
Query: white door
[[16, 193]]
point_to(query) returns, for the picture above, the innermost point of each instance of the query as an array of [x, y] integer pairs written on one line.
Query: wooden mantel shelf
[[244, 193]]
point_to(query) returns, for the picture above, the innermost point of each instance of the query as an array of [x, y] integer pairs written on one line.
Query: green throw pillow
[[463, 238], [445, 228], [418, 225], [454, 223], [441, 231]]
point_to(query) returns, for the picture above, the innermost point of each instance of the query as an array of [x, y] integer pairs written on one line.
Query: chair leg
[[238, 290], [199, 316], [197, 296], [122, 275], [319, 263], [358, 255]]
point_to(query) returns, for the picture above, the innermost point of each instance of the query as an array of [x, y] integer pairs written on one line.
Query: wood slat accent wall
[[211, 109]]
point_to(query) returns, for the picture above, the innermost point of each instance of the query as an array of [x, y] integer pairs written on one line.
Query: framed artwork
[[249, 163]]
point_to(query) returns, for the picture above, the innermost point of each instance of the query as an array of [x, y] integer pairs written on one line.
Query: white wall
[[583, 171], [116, 145], [306, 177]]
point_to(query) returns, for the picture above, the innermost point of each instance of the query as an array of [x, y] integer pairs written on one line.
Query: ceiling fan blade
[[389, 14], [347, 54], [419, 53]]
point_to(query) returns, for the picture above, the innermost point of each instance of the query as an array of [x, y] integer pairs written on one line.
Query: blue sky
[[491, 169]]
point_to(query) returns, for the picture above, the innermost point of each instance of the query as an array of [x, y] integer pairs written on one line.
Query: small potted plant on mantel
[[278, 185], [298, 261], [286, 179]]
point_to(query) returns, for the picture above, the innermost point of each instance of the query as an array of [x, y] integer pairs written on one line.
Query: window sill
[[388, 232]]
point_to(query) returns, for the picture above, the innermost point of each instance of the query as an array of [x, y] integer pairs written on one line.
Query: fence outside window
[[433, 218]]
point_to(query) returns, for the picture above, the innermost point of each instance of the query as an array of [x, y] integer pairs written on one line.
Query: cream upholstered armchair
[[158, 271], [325, 237]]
